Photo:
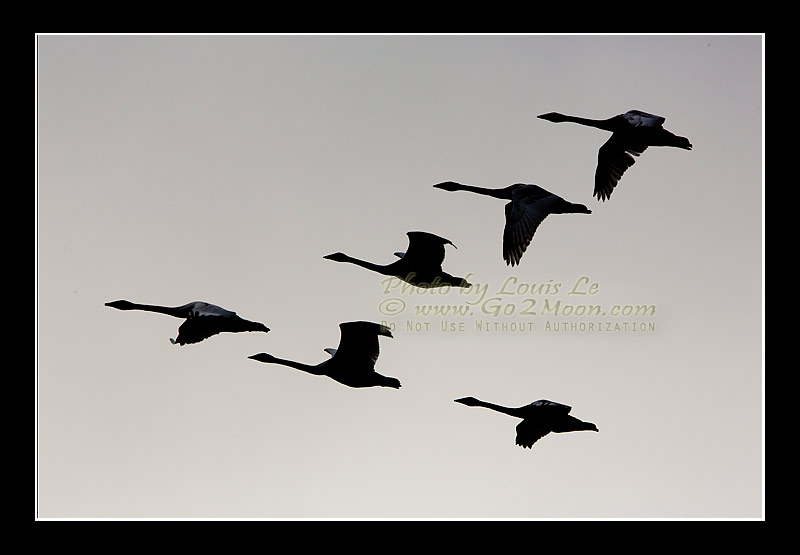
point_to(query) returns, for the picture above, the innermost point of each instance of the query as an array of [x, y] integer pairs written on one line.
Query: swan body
[[529, 206], [202, 319], [352, 363], [420, 265], [632, 132], [538, 419]]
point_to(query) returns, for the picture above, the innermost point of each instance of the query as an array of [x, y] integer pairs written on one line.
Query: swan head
[[120, 305], [581, 209], [263, 357], [553, 116], [389, 382], [469, 401], [337, 257], [463, 283], [448, 186]]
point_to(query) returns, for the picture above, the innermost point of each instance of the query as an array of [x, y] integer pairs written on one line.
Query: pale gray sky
[[223, 168]]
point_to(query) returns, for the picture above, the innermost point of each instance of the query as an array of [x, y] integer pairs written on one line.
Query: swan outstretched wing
[[358, 345], [613, 159], [198, 328], [523, 216], [208, 320], [556, 407], [201, 308], [202, 321], [425, 249], [529, 431], [541, 415], [637, 118]]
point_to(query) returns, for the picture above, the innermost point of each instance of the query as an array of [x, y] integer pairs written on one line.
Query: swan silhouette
[[632, 132], [538, 419], [529, 206], [352, 363], [420, 265], [202, 319]]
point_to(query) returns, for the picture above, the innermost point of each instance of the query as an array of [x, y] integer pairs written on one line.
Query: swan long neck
[[311, 369], [177, 311], [605, 124], [381, 269], [504, 193], [499, 408]]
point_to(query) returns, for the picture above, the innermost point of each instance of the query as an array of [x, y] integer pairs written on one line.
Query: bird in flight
[[631, 134], [420, 265], [538, 419], [529, 206], [352, 363], [202, 319]]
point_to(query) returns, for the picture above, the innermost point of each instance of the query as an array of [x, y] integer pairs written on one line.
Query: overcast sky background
[[223, 168]]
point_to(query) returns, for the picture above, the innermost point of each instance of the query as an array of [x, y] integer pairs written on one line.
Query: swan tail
[[684, 143]]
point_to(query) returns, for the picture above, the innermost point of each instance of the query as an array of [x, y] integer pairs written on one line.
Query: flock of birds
[[353, 362]]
